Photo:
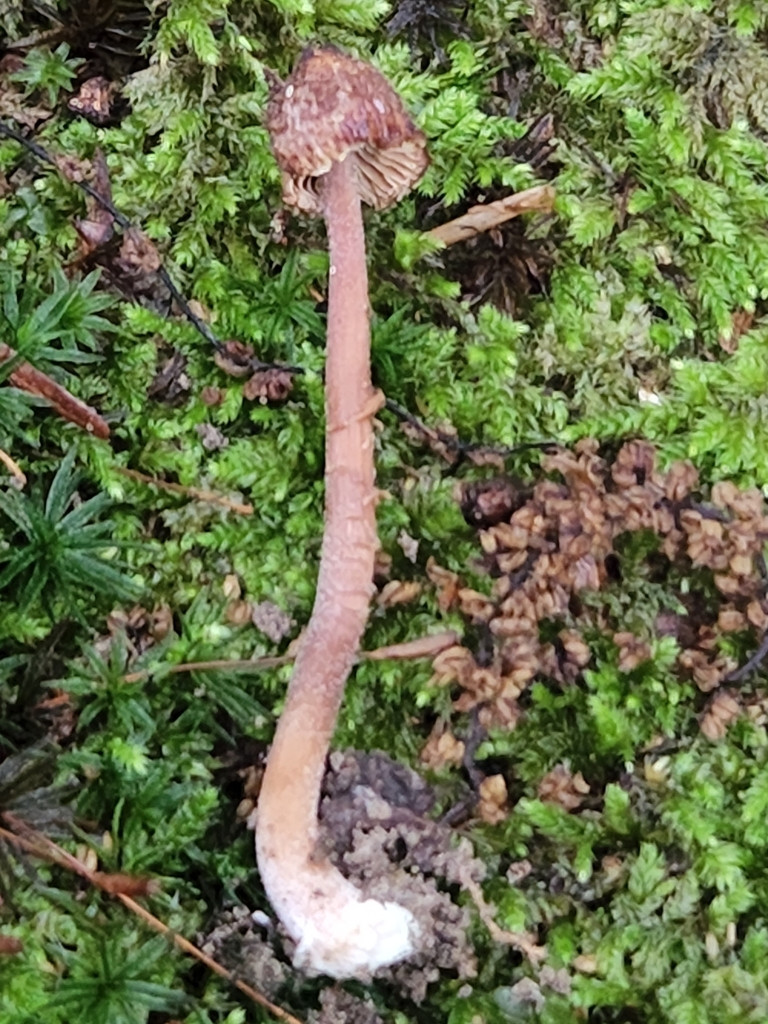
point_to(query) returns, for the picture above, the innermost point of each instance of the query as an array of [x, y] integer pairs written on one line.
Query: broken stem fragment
[[484, 217], [27, 378]]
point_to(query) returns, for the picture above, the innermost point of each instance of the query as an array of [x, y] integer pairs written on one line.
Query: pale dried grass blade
[[539, 199]]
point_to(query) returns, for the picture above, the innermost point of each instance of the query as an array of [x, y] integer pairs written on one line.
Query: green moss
[[652, 895]]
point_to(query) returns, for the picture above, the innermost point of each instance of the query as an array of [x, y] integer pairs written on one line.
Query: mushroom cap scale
[[334, 107]]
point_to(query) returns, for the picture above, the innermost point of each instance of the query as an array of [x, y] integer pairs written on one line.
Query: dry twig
[[199, 324], [35, 382], [486, 216], [521, 941], [451, 448], [13, 468], [190, 492], [223, 664], [41, 846], [755, 660], [423, 647]]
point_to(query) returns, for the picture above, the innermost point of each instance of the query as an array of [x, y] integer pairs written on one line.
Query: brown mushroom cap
[[331, 107]]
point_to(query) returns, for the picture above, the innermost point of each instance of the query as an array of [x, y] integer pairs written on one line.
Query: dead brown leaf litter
[[560, 542]]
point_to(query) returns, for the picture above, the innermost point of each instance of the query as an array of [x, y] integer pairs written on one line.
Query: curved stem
[[309, 894], [296, 763]]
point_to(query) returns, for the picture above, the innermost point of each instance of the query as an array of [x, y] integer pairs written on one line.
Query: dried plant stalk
[[539, 199], [35, 382]]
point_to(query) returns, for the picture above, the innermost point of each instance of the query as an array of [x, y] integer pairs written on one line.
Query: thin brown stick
[[422, 647], [105, 202], [210, 963], [522, 941], [755, 660], [482, 218], [13, 468], [35, 382], [451, 448], [227, 665], [210, 497], [39, 845]]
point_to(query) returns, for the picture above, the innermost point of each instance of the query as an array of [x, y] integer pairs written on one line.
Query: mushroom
[[340, 135]]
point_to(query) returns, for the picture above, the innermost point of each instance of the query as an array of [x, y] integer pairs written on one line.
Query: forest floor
[[571, 764]]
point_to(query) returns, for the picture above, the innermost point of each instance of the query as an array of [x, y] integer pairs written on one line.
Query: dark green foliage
[[48, 324], [52, 322], [26, 792], [54, 546], [47, 71], [103, 983]]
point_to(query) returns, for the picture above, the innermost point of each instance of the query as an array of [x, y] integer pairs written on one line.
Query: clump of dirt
[[241, 941], [341, 1007], [562, 545], [375, 829]]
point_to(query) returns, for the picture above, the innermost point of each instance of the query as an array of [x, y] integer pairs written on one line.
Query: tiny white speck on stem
[[289, 92]]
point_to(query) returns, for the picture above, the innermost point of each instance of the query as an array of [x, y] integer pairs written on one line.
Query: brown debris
[[443, 442], [98, 227], [10, 945], [73, 168], [13, 102], [94, 100], [492, 806], [731, 620], [577, 652], [398, 592], [741, 322], [272, 385], [446, 584], [548, 547], [632, 651], [231, 587], [708, 670], [238, 613], [757, 613], [137, 628], [234, 358], [561, 786], [492, 501], [212, 395], [138, 256], [171, 383], [720, 712], [442, 748]]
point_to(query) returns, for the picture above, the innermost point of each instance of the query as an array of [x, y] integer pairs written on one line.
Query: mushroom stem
[[337, 931]]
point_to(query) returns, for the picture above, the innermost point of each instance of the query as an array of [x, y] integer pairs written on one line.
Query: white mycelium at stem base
[[337, 931]]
